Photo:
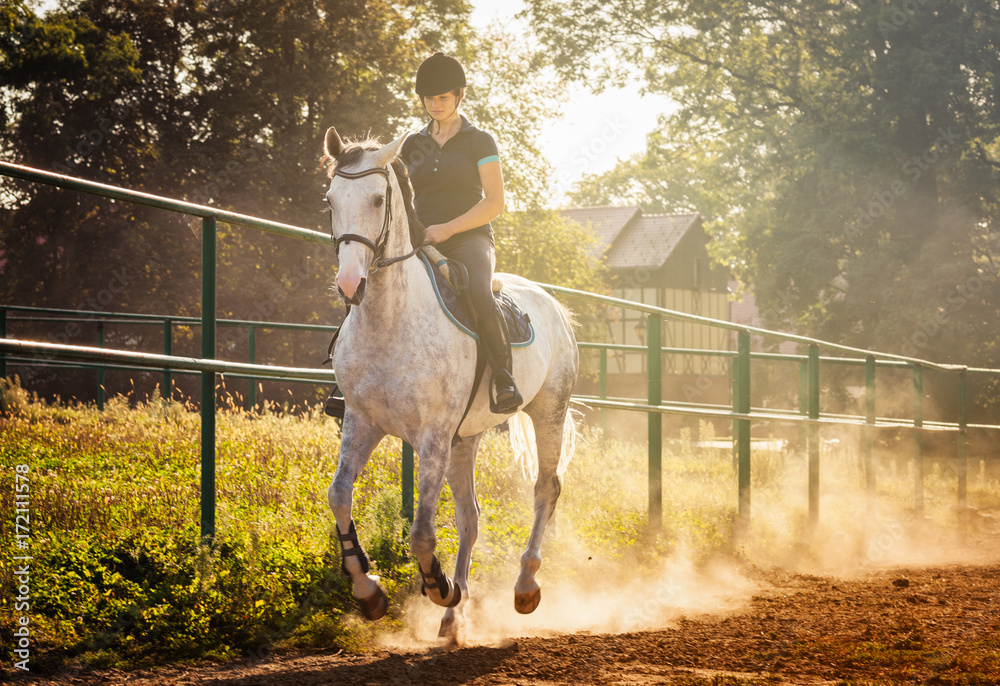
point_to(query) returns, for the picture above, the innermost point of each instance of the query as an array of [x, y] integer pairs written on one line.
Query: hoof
[[374, 606], [448, 628], [525, 603]]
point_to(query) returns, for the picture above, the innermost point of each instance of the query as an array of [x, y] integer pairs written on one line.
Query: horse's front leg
[[358, 440], [435, 454]]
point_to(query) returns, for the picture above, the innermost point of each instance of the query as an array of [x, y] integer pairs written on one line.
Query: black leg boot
[[493, 329]]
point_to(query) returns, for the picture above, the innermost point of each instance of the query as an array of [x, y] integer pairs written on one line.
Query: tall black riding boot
[[493, 329]]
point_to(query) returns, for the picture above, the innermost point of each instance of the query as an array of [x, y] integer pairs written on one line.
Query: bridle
[[378, 246]]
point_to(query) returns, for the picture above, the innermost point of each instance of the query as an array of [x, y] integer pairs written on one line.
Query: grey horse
[[406, 370]]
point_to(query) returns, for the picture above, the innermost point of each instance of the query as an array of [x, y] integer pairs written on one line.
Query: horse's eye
[[378, 201]]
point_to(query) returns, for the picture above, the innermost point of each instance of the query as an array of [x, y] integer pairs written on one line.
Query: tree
[[846, 155], [218, 102]]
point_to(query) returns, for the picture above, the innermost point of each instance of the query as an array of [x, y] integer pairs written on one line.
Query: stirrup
[[335, 405], [509, 399]]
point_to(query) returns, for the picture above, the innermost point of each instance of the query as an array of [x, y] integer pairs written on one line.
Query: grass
[[119, 577]]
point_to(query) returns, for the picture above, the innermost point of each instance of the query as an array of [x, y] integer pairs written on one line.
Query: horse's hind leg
[[462, 479], [549, 438], [358, 439]]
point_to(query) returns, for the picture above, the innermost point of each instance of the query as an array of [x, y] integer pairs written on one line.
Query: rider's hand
[[438, 233]]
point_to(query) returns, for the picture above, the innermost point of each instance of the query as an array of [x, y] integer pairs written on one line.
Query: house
[[662, 260]]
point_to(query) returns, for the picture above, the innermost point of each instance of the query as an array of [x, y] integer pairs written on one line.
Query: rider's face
[[441, 107]]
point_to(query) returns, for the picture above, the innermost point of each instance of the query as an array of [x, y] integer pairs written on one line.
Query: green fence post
[[603, 389], [168, 344], [918, 441], [208, 305], [963, 435], [734, 394], [813, 437], [803, 401], [743, 434], [869, 430], [407, 478], [100, 370], [252, 355], [3, 334], [655, 421]]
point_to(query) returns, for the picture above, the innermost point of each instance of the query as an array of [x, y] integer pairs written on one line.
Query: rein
[[378, 247]]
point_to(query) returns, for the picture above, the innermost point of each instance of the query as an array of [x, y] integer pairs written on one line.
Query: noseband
[[377, 247]]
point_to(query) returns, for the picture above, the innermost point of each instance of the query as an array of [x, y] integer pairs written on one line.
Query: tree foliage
[[845, 154], [217, 102], [225, 103]]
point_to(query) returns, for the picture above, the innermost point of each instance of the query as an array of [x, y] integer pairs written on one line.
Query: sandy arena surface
[[932, 623]]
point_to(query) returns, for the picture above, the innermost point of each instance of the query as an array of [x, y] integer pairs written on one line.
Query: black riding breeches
[[474, 250]]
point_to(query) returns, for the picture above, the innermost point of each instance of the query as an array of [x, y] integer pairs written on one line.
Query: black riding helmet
[[438, 74]]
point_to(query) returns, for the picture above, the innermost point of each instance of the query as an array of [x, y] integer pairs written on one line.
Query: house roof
[[631, 239], [607, 222]]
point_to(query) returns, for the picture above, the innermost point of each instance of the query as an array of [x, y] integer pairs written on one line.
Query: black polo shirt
[[445, 180]]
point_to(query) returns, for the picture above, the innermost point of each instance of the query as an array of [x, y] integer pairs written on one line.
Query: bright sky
[[595, 130]]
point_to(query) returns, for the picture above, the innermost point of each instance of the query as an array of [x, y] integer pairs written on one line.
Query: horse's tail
[[521, 430]]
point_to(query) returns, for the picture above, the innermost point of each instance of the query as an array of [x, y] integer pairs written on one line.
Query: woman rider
[[458, 190]]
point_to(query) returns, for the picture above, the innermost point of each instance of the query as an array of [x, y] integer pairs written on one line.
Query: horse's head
[[361, 198]]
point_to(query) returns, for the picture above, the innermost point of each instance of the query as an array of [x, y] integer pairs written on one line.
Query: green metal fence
[[741, 413], [102, 320]]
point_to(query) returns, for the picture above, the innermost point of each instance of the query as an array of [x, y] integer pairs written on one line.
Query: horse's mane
[[353, 151]]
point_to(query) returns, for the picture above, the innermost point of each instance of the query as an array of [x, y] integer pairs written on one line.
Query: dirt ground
[[936, 624]]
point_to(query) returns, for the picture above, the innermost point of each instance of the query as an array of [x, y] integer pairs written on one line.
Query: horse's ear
[[384, 156], [333, 145]]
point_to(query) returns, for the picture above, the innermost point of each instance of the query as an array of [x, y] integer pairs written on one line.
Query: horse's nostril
[[359, 293]]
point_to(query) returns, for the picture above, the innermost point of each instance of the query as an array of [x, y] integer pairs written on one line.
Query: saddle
[[451, 287]]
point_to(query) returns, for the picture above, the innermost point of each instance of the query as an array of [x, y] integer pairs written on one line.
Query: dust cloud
[[702, 570], [615, 603]]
